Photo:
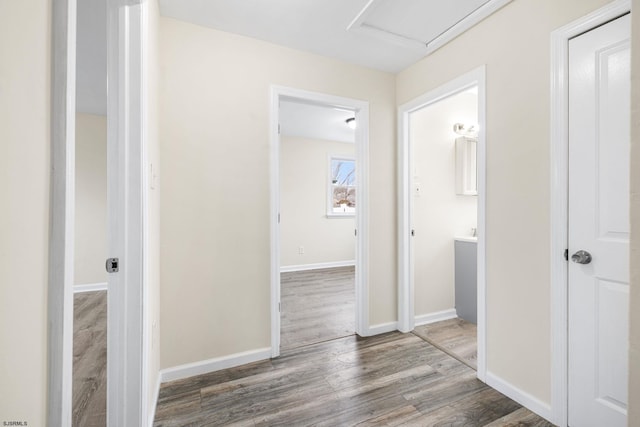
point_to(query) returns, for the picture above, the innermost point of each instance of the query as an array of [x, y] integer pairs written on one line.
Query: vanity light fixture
[[470, 131], [351, 122]]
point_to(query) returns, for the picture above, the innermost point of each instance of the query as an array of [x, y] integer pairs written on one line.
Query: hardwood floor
[[457, 337], [387, 380], [317, 305], [90, 359]]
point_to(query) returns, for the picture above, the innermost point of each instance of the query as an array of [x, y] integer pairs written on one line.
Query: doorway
[[590, 220], [443, 138], [317, 223], [90, 277], [349, 215], [441, 220]]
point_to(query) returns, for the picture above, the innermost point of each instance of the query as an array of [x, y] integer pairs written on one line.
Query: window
[[342, 186]]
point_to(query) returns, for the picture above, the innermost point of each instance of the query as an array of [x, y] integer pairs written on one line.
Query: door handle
[[581, 257]]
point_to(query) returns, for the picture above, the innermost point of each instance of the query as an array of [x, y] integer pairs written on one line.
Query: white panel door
[[599, 114]]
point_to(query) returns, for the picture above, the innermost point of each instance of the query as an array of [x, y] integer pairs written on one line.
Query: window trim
[[329, 186]]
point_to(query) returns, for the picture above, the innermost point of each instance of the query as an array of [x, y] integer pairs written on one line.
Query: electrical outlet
[[300, 250]]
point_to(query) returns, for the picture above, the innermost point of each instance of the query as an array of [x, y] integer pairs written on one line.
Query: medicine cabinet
[[466, 166]]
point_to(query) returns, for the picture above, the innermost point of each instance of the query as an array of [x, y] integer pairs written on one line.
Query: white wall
[[439, 213], [91, 199], [24, 217], [514, 44], [214, 148], [634, 330], [304, 178]]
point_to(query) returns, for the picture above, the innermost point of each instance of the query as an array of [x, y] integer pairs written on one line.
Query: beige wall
[[439, 213], [214, 137], [152, 311], [514, 44], [91, 199], [24, 217], [634, 357], [304, 174]]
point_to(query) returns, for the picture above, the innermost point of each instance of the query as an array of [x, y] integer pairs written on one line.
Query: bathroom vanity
[[466, 277]]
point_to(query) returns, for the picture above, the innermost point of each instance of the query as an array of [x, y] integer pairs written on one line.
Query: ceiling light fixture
[[351, 122], [466, 130]]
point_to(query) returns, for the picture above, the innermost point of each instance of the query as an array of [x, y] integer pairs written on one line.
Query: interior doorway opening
[[442, 218], [443, 139], [341, 207], [89, 386], [317, 222]]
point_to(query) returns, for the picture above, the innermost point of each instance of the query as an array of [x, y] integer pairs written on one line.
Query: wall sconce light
[[470, 131], [351, 122]]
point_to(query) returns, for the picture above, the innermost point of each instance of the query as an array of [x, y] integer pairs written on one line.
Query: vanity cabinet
[[466, 277]]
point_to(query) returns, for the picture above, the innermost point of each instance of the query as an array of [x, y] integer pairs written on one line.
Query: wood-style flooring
[[316, 306], [457, 337], [387, 380], [90, 359]]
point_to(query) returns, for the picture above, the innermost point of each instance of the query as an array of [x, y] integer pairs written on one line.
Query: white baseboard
[[425, 319], [216, 364], [154, 401], [525, 399], [89, 287], [382, 328], [317, 266]]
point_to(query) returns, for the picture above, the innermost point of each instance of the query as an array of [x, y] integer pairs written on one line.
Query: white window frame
[[330, 212]]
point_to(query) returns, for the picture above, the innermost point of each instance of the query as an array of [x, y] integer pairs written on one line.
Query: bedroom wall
[[304, 175], [91, 199]]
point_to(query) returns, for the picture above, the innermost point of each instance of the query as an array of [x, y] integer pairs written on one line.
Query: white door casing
[[61, 240], [598, 212]]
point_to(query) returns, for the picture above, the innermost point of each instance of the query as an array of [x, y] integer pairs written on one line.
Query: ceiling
[[91, 60], [387, 35], [315, 121]]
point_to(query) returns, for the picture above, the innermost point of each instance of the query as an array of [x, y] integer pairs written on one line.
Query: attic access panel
[[422, 24]]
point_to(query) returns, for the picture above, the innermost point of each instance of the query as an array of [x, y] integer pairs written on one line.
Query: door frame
[[361, 109], [560, 197], [126, 355], [406, 308]]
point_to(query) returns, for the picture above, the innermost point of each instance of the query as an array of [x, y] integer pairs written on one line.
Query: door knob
[[581, 257]]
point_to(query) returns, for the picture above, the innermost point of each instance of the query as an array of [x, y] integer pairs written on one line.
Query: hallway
[[390, 379]]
